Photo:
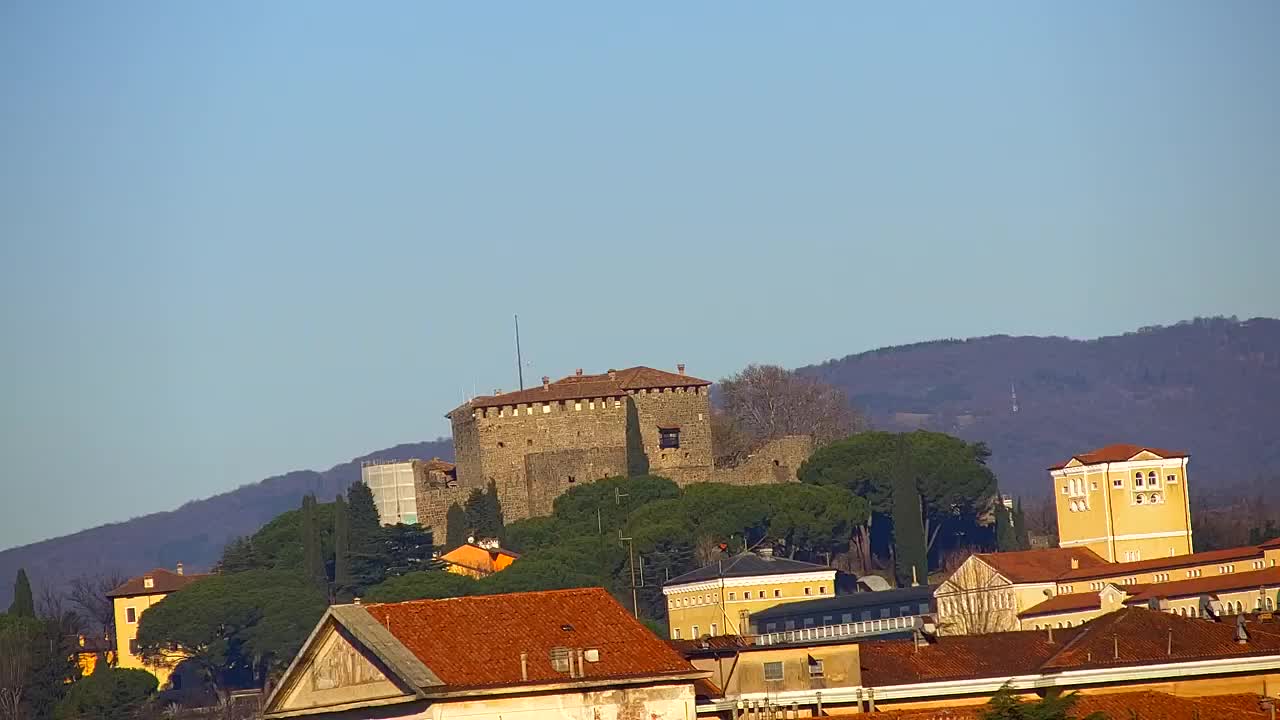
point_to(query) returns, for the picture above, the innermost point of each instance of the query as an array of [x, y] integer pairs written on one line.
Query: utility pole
[[519, 361], [631, 563]]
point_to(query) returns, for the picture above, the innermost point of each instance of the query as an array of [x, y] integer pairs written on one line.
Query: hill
[[1209, 386], [195, 533]]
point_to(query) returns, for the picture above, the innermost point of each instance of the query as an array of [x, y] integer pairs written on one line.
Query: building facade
[[129, 601], [719, 599], [537, 443], [478, 559], [395, 486], [1125, 502]]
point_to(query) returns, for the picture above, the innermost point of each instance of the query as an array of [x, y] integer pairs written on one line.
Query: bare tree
[[15, 666], [767, 402], [89, 594], [976, 600]]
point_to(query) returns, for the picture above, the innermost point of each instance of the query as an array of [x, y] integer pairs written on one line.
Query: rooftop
[[1042, 565], [1119, 452], [162, 581], [1269, 577], [1247, 552], [1143, 704], [613, 383], [851, 601], [1066, 602], [746, 564], [473, 642]]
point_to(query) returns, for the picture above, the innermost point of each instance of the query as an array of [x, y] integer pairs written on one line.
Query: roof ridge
[[1086, 630], [556, 591]]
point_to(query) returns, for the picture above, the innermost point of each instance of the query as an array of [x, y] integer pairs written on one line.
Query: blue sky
[[242, 238]]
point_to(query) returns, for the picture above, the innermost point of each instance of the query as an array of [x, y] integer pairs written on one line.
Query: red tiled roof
[[1269, 577], [1119, 452], [1120, 705], [163, 581], [579, 387], [1249, 552], [710, 645], [1271, 544], [438, 464], [1066, 602], [477, 641], [1141, 635], [1043, 565]]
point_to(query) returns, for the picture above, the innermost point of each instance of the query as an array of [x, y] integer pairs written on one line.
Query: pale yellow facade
[[976, 599], [764, 673], [723, 606], [128, 612], [1127, 511], [1122, 574]]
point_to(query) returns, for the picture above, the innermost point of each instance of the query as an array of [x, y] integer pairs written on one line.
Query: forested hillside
[[1210, 386], [195, 533]]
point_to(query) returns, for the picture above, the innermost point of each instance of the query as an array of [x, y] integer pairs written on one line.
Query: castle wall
[[775, 462], [688, 409], [550, 474], [433, 508]]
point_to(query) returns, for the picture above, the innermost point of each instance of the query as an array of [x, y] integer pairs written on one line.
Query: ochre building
[[129, 601], [1124, 502]]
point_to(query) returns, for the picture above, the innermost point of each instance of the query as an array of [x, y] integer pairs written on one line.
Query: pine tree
[[341, 547], [312, 561], [908, 524], [1006, 539], [238, 556], [23, 604], [365, 539], [1020, 531], [456, 527]]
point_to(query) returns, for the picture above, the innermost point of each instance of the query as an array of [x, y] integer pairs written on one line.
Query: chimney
[[546, 383], [613, 374], [179, 568], [766, 551], [355, 601], [1075, 563], [497, 391], [680, 368], [524, 666], [578, 372]]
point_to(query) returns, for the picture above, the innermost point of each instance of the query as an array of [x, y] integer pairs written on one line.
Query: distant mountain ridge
[[1209, 386], [193, 534]]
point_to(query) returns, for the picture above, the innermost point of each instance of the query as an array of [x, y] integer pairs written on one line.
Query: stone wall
[[685, 409], [433, 508], [774, 462], [550, 474]]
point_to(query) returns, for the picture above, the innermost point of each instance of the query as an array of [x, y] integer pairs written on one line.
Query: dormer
[[148, 582]]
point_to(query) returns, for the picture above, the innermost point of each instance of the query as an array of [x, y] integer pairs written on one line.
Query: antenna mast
[[519, 361]]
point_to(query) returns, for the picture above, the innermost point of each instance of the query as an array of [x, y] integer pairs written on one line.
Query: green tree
[[365, 538], [1021, 533], [484, 512], [1005, 705], [431, 585], [341, 548], [456, 530], [238, 555], [238, 628], [910, 552], [407, 548], [312, 557], [23, 605], [108, 694], [1006, 535]]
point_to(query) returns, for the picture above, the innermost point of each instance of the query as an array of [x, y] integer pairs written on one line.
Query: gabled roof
[[1269, 577], [1248, 552], [1065, 603], [163, 581], [476, 642], [746, 564], [1042, 565], [614, 383], [1119, 452], [957, 657]]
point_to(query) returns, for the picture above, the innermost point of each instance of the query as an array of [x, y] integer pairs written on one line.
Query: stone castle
[[535, 444]]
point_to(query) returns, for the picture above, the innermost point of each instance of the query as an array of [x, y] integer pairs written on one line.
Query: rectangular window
[[130, 615], [789, 624], [694, 633], [846, 618], [772, 671], [807, 591], [713, 629], [777, 593], [924, 608], [822, 589], [1172, 479], [884, 612], [668, 437], [675, 634], [1117, 483], [866, 615], [733, 596], [1066, 490], [815, 668], [133, 646]]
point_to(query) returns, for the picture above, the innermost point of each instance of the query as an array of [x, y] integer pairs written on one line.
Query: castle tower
[[1124, 502]]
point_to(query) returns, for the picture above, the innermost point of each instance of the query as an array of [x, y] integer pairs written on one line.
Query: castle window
[[1094, 485], [778, 593], [714, 630], [529, 442], [815, 668], [668, 437], [572, 480], [501, 444], [694, 634], [617, 403]]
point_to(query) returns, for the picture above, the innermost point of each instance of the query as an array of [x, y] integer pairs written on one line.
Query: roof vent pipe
[[680, 368], [524, 667], [546, 382]]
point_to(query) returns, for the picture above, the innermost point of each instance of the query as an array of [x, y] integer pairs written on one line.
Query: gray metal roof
[[746, 564], [852, 601]]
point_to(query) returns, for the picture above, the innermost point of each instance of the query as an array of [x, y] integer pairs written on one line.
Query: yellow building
[[132, 599], [1124, 502], [718, 599], [478, 560]]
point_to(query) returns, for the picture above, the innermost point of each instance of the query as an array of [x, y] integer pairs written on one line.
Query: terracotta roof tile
[[477, 641], [1119, 705], [957, 657], [1269, 577], [163, 581], [1043, 565], [581, 387], [1065, 602], [1249, 552], [1119, 452]]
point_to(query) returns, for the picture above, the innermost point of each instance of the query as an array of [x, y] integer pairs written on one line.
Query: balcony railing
[[842, 630]]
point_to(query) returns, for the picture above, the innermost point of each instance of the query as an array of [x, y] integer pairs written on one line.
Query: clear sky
[[242, 238]]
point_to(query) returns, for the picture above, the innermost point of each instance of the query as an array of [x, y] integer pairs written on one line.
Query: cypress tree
[[456, 527], [312, 562], [908, 524], [341, 546], [23, 604], [365, 539], [1020, 531], [1006, 539]]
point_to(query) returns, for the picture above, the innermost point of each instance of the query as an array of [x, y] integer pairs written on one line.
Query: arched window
[[1239, 607], [1137, 479], [1270, 604], [1155, 498], [1139, 499], [1152, 480]]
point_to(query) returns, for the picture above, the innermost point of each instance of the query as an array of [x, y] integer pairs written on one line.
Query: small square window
[[807, 591], [1171, 479], [815, 668], [668, 437], [1094, 485], [822, 589], [772, 671], [777, 593], [733, 596], [1117, 483], [130, 615]]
